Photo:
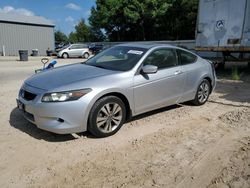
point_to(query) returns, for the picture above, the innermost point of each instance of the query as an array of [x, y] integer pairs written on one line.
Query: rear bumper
[[214, 77], [214, 84], [214, 80]]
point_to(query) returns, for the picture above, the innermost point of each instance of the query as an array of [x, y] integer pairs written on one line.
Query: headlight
[[64, 95]]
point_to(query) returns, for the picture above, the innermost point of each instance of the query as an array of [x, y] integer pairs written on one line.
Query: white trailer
[[224, 26]]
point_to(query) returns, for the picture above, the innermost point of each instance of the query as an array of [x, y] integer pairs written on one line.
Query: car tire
[[106, 116], [202, 93], [65, 55], [86, 55]]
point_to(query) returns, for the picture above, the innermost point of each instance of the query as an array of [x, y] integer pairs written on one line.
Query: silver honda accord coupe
[[118, 83]]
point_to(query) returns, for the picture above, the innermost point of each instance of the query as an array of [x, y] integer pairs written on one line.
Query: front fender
[[96, 95]]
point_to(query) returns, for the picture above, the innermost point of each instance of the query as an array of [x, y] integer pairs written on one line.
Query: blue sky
[[64, 13]]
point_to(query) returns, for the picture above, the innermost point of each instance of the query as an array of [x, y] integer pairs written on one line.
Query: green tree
[[182, 19], [85, 33], [73, 37], [60, 36], [96, 35], [145, 19], [82, 31]]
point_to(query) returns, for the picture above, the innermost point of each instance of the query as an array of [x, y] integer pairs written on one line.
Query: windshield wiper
[[102, 67]]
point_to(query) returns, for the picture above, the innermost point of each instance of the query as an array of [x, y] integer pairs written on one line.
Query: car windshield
[[120, 58], [64, 47]]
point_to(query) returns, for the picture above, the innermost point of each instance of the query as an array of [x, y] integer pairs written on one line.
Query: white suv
[[75, 50]]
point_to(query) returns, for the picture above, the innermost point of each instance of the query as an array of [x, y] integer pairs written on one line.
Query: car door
[[72, 50], [80, 50], [76, 50], [162, 88], [193, 72]]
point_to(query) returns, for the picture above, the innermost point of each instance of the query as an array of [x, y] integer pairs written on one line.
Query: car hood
[[61, 76]]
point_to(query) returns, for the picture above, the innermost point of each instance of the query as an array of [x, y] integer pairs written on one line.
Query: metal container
[[223, 25], [35, 52], [23, 55]]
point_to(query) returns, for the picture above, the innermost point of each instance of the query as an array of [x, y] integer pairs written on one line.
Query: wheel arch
[[210, 82], [85, 52], [124, 100], [65, 53]]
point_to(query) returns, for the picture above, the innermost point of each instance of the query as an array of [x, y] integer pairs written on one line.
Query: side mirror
[[149, 69]]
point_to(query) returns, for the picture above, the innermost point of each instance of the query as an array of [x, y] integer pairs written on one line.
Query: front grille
[[27, 95]]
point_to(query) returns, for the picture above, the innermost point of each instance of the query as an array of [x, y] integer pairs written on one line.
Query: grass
[[235, 73]]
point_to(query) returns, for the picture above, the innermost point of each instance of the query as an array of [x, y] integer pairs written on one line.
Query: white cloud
[[87, 13], [73, 6], [20, 11], [69, 19], [57, 20]]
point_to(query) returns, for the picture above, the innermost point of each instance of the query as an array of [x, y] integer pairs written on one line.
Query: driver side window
[[162, 58], [73, 47]]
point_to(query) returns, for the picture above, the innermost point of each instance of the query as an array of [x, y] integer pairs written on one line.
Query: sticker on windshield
[[137, 52]]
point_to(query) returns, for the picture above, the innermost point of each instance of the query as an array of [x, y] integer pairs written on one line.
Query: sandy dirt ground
[[178, 146]]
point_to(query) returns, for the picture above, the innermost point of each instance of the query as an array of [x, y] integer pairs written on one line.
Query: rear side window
[[162, 58], [78, 46], [74, 46], [186, 57]]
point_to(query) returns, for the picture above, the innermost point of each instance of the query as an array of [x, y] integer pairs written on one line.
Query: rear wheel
[[107, 116], [202, 93]]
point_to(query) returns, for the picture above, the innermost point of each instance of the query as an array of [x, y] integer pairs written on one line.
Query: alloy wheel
[[203, 92], [65, 55], [86, 55], [109, 117]]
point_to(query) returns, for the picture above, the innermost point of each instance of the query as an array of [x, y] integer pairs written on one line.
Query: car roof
[[79, 44], [149, 45], [146, 45]]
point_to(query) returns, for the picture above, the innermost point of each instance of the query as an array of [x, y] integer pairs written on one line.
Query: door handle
[[178, 72]]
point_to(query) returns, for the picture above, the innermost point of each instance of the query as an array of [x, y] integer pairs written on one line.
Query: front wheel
[[107, 116], [65, 55], [202, 93], [86, 55]]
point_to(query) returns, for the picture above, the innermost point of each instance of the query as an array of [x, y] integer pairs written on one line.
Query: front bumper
[[59, 54], [58, 117]]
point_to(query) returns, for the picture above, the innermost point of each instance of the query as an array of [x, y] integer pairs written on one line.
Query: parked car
[[60, 46], [75, 50], [116, 84], [95, 48]]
